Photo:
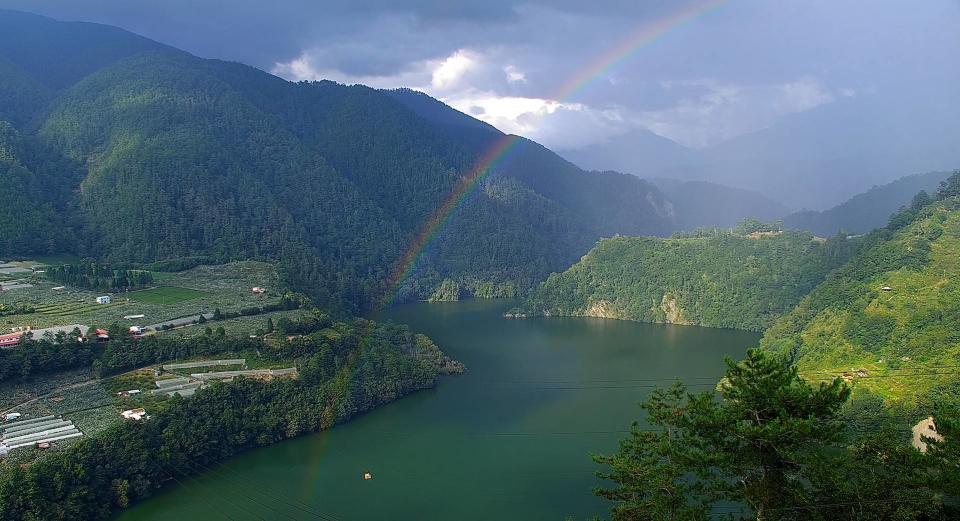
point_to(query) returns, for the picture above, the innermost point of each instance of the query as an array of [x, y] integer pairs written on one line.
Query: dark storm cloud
[[734, 69]]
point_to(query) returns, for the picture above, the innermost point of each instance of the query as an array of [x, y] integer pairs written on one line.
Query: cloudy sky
[[727, 68]]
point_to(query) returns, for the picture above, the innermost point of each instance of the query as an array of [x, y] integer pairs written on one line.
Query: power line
[[296, 504], [184, 486]]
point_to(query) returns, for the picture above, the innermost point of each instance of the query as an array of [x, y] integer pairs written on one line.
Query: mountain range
[[814, 159], [130, 151], [868, 210]]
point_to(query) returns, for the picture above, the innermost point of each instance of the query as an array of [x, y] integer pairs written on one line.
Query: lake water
[[508, 440]]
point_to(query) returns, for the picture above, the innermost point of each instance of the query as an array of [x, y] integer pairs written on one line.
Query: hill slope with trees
[[155, 154], [867, 211], [742, 279], [894, 309]]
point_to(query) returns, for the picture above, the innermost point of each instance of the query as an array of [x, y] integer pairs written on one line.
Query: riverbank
[[344, 370], [509, 439]]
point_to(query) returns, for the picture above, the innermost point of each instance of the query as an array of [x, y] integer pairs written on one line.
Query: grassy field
[[165, 295], [189, 293]]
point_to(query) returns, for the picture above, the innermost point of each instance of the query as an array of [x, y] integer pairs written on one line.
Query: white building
[[103, 300]]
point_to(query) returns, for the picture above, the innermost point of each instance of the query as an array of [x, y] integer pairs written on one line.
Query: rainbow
[[646, 34]]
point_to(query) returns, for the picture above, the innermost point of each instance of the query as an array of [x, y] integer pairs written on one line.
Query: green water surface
[[508, 440]]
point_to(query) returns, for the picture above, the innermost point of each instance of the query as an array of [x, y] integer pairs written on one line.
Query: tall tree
[[757, 442]]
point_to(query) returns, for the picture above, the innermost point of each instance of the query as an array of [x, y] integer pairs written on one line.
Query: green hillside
[[147, 153], [718, 279], [906, 338], [37, 187]]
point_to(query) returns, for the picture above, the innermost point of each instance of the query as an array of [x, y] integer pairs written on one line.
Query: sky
[[734, 67]]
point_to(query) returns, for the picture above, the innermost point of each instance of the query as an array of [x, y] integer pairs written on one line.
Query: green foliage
[[90, 274], [950, 187], [448, 291], [360, 367], [184, 158], [37, 185], [850, 320], [21, 309], [748, 226], [711, 277], [776, 446], [756, 445]]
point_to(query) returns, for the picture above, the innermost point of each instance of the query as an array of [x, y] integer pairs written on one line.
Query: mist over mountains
[[814, 160]]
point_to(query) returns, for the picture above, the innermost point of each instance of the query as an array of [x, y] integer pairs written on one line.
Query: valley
[[309, 273]]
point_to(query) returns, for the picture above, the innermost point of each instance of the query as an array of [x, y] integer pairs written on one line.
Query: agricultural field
[[175, 295], [165, 295], [240, 326]]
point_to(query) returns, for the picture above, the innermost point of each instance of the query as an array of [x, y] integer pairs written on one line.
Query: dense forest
[[893, 309], [742, 278], [867, 211], [345, 368], [140, 153], [93, 275]]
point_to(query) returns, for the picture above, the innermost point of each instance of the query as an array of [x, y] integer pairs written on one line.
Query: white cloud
[[514, 74], [450, 71], [703, 112], [470, 82]]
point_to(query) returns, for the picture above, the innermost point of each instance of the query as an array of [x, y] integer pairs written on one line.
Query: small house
[[886, 288], [10, 339], [10, 416], [136, 330], [102, 335], [131, 392], [257, 290], [105, 299]]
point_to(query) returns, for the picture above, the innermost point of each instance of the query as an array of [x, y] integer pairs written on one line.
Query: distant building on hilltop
[[103, 300]]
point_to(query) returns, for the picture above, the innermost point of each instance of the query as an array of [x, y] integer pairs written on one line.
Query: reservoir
[[510, 439]]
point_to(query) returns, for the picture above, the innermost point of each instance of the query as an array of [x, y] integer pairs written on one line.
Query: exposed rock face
[[672, 311], [603, 309], [925, 429]]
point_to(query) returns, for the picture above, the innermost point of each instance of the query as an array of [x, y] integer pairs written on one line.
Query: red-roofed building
[[10, 340]]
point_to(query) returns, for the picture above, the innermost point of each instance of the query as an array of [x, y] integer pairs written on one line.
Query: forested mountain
[[742, 279], [37, 185], [699, 203], [893, 309], [140, 152], [867, 211]]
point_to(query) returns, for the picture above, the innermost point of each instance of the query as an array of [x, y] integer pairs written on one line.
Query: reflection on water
[[508, 440]]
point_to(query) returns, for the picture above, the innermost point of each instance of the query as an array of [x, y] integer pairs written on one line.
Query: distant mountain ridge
[[701, 204], [866, 211], [814, 159]]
